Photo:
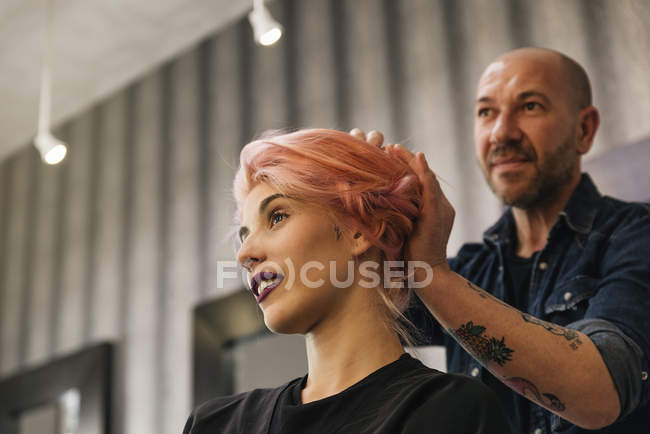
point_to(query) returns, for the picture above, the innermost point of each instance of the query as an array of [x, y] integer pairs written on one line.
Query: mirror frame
[[88, 370], [218, 325]]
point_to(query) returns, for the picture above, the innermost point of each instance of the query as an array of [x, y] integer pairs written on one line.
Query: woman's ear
[[360, 244]]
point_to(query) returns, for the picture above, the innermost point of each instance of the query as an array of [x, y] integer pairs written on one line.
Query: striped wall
[[121, 240]]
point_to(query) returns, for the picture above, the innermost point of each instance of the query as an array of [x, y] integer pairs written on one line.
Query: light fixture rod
[[52, 150], [45, 106]]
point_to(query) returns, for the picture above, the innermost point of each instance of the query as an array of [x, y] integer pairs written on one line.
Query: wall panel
[[225, 143], [40, 319], [14, 258], [74, 293], [106, 299], [142, 294]]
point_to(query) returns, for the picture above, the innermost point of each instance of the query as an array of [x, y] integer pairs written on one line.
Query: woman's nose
[[249, 254], [250, 263]]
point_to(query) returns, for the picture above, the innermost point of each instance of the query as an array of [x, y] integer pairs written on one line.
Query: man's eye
[[483, 112], [530, 106]]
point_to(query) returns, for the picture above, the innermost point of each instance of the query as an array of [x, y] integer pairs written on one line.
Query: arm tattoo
[[476, 289], [483, 294], [570, 335], [530, 391], [483, 348]]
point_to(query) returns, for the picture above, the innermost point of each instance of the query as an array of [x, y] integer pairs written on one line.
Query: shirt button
[[475, 372], [538, 431], [543, 266], [567, 296], [644, 375]]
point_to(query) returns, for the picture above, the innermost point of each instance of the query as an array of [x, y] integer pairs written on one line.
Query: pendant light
[[52, 150], [266, 30]]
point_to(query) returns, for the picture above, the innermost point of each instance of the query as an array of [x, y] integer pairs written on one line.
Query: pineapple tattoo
[[483, 347]]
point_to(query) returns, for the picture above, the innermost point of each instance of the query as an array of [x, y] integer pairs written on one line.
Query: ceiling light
[[52, 149], [266, 30]]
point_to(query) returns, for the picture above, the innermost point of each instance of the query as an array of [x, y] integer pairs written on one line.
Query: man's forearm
[[555, 367]]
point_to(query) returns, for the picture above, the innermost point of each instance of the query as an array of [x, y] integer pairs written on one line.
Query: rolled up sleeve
[[617, 317], [622, 356]]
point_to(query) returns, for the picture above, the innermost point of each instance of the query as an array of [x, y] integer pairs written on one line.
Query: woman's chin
[[283, 329], [280, 321]]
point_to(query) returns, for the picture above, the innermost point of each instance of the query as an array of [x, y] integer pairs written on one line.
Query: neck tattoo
[[338, 232]]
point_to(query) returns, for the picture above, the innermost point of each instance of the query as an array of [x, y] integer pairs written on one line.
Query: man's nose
[[505, 130]]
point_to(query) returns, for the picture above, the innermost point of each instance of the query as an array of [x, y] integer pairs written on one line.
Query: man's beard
[[554, 172]]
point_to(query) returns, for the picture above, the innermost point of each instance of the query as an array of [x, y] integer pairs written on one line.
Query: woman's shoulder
[[409, 378], [228, 413], [446, 384], [414, 370], [233, 402], [433, 399], [413, 399]]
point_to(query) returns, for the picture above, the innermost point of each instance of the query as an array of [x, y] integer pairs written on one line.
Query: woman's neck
[[344, 349]]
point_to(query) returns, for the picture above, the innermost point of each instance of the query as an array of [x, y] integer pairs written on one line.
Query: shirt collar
[[581, 210], [501, 230], [579, 213]]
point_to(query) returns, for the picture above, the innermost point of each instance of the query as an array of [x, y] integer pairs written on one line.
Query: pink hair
[[369, 191]]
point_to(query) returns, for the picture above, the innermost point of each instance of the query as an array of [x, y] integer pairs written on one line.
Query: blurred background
[[120, 241]]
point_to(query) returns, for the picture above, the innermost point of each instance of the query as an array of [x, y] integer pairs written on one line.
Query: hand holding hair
[[428, 241], [374, 137]]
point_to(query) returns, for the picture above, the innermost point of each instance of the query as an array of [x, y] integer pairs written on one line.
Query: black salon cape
[[402, 397]]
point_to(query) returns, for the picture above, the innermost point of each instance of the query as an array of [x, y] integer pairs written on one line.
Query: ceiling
[[98, 47]]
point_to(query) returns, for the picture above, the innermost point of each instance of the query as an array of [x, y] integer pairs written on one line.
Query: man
[[561, 318]]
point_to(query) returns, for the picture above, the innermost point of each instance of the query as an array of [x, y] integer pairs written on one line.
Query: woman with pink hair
[[323, 219]]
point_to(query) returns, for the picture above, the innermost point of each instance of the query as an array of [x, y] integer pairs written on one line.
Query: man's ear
[[588, 122]]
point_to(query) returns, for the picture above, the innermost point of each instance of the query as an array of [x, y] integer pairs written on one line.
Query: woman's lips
[[259, 290], [268, 289]]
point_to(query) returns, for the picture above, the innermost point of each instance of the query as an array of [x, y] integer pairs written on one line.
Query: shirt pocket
[[569, 300]]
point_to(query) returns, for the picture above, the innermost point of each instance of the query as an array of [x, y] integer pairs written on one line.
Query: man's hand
[[374, 137], [428, 241]]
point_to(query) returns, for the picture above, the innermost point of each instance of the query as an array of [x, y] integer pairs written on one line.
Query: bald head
[[573, 75]]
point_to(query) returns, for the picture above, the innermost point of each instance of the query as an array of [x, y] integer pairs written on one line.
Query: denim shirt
[[593, 275]]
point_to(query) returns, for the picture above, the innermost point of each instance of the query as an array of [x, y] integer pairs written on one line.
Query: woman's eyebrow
[[263, 204], [268, 200]]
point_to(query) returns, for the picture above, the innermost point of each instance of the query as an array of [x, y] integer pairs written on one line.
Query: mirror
[[69, 395], [43, 419], [60, 417]]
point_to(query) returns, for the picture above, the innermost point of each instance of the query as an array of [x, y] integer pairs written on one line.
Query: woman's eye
[[276, 217]]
